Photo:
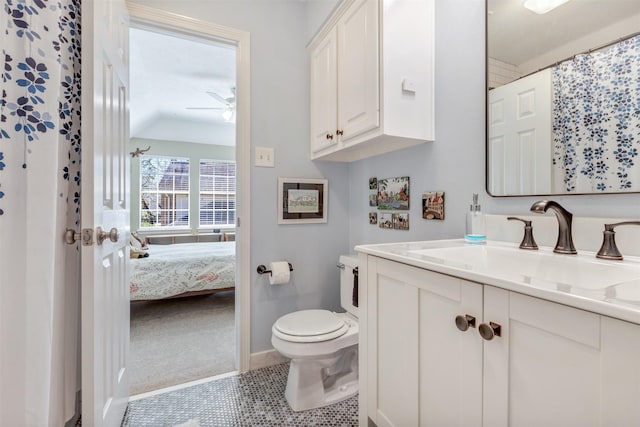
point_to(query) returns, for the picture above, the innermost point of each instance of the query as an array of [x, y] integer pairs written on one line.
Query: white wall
[[317, 12], [280, 119]]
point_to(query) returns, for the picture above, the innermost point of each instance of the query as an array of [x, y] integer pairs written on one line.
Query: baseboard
[[266, 358]]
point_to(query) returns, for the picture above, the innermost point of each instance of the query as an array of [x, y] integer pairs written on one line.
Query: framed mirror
[[563, 97]]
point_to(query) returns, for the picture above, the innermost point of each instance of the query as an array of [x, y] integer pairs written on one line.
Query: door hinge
[[86, 236]]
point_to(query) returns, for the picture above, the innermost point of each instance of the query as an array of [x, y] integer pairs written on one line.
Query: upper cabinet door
[[324, 90], [358, 70]]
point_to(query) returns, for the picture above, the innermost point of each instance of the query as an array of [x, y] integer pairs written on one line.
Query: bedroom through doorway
[[183, 208]]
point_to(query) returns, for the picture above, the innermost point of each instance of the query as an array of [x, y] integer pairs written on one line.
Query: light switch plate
[[264, 157]]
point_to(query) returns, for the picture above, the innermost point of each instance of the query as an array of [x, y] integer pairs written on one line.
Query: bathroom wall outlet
[[264, 157]]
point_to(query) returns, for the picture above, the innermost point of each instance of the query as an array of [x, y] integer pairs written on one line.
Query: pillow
[[138, 242]]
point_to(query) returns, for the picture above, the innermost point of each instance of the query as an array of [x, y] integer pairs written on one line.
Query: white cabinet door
[[324, 90], [423, 369], [450, 359], [620, 373], [358, 70], [393, 345], [558, 366]]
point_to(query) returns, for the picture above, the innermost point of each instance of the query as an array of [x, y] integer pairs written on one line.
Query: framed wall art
[[433, 205], [393, 193], [302, 200]]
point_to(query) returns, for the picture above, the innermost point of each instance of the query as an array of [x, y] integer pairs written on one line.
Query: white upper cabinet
[[372, 79]]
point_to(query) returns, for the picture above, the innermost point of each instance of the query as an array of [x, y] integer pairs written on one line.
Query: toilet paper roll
[[279, 273]]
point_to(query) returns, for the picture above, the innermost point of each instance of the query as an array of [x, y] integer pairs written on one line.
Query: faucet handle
[[609, 250], [528, 242]]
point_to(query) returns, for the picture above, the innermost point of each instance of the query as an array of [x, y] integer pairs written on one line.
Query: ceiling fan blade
[[218, 97]]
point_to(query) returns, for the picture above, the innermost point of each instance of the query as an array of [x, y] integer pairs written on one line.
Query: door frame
[[171, 22]]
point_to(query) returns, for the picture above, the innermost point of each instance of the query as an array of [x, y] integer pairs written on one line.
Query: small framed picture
[[373, 183], [373, 200], [393, 194], [302, 200], [386, 221], [373, 218], [401, 221], [433, 205]]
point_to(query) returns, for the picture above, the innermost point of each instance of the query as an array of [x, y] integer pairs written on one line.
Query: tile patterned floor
[[254, 399]]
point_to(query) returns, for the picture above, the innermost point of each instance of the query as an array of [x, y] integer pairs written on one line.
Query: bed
[[183, 269]]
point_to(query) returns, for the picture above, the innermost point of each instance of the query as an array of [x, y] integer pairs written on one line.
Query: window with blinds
[[164, 192], [217, 193]]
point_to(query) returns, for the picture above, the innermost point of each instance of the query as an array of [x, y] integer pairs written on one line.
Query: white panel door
[[105, 205], [520, 136], [324, 91], [358, 70]]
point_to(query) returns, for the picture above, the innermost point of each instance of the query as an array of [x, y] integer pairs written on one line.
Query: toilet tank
[[347, 283]]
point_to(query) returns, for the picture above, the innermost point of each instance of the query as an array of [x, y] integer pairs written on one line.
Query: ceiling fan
[[228, 108]]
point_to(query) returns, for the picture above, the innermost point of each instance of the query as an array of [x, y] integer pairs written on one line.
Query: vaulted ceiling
[[170, 80]]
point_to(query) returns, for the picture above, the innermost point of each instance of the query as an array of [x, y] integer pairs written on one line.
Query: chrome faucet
[[564, 244]]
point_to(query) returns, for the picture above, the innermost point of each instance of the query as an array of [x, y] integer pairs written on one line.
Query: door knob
[[329, 136], [464, 322], [86, 236], [102, 235], [339, 132], [488, 332]]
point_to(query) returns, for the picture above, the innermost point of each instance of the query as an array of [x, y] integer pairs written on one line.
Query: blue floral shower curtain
[[39, 199], [596, 120]]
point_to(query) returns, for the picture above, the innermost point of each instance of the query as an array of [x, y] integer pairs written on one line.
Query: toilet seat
[[308, 326]]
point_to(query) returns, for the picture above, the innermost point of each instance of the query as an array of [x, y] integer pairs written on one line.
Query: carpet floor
[[180, 340]]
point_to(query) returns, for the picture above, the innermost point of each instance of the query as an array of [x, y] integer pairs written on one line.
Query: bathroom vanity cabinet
[[551, 365], [371, 79]]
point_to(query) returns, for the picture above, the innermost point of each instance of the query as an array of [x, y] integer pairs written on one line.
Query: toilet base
[[314, 383]]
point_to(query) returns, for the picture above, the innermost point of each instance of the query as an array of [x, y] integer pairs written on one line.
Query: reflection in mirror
[[563, 103]]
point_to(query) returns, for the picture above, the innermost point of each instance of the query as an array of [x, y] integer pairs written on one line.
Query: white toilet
[[323, 348]]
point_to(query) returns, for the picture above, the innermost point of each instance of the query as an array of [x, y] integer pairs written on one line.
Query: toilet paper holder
[[263, 270]]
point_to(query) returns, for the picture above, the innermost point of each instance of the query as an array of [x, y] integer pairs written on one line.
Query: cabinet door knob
[[339, 132], [329, 136], [488, 332], [464, 322]]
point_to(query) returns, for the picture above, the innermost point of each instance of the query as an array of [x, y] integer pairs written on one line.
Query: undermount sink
[[568, 273]]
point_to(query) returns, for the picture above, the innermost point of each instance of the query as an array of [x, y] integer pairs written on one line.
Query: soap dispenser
[[475, 223]]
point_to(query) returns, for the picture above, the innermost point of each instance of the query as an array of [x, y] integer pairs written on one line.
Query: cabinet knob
[[339, 132], [464, 322], [329, 136], [488, 332]]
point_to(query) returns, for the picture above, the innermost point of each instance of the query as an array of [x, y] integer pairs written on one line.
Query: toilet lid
[[311, 323]]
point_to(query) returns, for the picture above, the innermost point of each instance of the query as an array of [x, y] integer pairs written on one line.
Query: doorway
[[196, 136]]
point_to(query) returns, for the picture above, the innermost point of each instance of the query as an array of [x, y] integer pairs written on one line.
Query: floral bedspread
[[183, 267]]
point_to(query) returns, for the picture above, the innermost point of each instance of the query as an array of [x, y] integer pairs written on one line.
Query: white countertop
[[610, 288]]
